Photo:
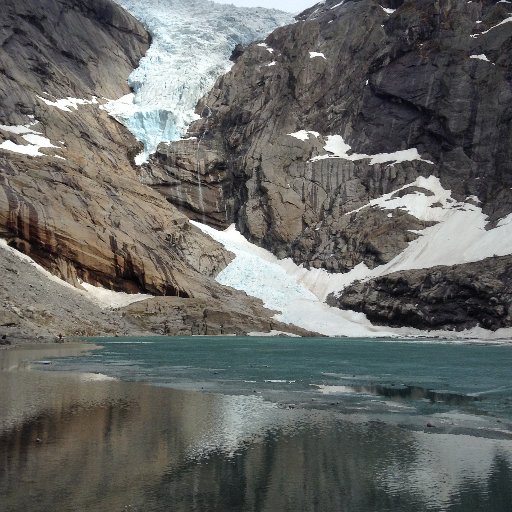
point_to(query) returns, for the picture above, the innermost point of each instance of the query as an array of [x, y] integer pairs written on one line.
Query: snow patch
[[506, 20], [35, 139], [111, 299], [35, 144], [303, 135], [266, 46], [19, 129], [387, 10], [312, 55], [481, 57], [338, 148], [66, 104]]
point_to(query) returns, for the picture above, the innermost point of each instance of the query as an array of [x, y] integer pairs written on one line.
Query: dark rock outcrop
[[455, 298], [389, 81]]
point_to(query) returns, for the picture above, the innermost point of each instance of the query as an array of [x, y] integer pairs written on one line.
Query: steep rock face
[[69, 194], [458, 297], [415, 88], [35, 306]]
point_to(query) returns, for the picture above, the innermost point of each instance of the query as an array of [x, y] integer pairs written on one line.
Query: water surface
[[325, 425]]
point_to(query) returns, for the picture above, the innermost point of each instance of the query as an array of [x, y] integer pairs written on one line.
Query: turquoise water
[[354, 373], [257, 425]]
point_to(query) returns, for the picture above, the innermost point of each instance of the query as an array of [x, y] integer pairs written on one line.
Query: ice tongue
[[192, 43]]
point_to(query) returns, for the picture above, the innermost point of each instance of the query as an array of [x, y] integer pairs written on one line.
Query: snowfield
[[299, 294]]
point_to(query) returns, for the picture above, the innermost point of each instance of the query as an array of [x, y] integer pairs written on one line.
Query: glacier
[[192, 41]]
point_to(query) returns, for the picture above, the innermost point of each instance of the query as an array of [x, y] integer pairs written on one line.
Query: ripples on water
[[79, 442]]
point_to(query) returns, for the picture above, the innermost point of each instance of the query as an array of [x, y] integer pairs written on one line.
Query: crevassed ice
[[192, 43]]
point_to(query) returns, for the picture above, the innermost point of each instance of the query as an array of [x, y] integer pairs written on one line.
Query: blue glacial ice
[[192, 43]]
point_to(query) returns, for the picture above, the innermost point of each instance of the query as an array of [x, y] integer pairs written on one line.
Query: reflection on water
[[75, 444], [401, 392]]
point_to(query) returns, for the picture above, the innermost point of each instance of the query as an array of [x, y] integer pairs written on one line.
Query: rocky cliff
[[363, 137], [70, 196], [458, 297]]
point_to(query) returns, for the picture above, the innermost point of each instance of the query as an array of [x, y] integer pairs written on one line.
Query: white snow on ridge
[[304, 134], [66, 104], [387, 10], [192, 43], [36, 141], [312, 55], [417, 204], [459, 237], [506, 20], [338, 148]]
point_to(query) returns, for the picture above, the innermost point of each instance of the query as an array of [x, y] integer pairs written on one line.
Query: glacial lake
[[257, 424]]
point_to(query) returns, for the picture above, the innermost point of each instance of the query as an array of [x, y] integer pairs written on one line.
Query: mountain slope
[[365, 139], [69, 196]]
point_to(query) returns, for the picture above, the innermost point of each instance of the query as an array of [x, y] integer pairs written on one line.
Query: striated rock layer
[[36, 306], [69, 193], [356, 100]]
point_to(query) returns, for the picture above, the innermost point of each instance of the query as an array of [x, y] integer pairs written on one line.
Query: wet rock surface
[[459, 297]]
